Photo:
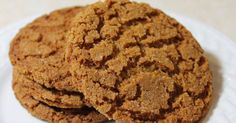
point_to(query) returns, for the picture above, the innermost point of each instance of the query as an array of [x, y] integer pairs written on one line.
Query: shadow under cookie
[[216, 83]]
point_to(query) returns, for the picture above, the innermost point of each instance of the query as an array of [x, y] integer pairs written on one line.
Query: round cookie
[[52, 97], [136, 64], [37, 51], [53, 114]]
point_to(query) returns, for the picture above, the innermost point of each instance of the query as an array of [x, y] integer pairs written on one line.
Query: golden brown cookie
[[136, 64], [38, 50], [50, 96], [53, 114]]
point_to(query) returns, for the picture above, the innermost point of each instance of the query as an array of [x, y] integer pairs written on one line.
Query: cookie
[[50, 96], [53, 114], [136, 64], [37, 51]]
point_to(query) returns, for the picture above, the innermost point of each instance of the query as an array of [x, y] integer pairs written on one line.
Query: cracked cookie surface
[[136, 64], [37, 51], [54, 114], [52, 97]]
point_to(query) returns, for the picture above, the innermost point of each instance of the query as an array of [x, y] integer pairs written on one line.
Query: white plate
[[221, 52]]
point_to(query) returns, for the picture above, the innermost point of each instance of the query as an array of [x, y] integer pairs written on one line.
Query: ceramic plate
[[220, 50]]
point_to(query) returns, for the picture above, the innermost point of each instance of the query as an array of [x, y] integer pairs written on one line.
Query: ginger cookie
[[54, 114], [136, 64], [52, 97], [38, 50]]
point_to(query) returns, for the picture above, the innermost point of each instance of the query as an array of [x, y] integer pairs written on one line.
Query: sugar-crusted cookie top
[[136, 64], [37, 51]]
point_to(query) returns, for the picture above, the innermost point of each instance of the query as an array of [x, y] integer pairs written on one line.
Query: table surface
[[218, 14]]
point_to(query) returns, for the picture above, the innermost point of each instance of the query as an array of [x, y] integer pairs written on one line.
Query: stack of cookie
[[41, 78], [115, 59]]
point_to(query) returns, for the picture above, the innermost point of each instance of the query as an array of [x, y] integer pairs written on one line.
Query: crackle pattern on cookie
[[136, 64], [37, 51], [54, 114]]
